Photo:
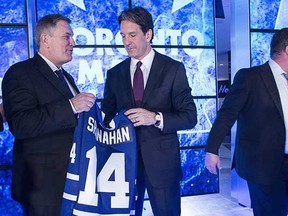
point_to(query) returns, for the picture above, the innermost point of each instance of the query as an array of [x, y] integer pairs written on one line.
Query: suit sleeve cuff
[[72, 106], [161, 124]]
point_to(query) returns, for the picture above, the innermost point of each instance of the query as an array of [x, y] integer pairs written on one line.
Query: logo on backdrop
[[281, 21], [93, 68], [223, 88], [78, 3], [177, 4]]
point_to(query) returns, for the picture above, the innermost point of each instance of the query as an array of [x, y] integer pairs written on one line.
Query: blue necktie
[[138, 84], [60, 75]]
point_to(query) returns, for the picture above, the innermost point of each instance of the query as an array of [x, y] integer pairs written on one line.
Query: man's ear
[[44, 40], [286, 50], [148, 35]]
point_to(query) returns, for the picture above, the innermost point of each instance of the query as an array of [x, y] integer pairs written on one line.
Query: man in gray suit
[[258, 100], [41, 110], [163, 105]]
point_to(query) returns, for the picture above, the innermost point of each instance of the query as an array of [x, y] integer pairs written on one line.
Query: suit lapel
[[126, 77], [46, 71], [154, 76], [71, 81], [270, 83]]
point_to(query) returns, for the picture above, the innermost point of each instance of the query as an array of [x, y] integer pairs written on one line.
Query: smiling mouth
[[130, 49]]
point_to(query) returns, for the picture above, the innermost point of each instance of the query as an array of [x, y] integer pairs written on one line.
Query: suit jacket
[[167, 91], [42, 121], [1, 123], [254, 102]]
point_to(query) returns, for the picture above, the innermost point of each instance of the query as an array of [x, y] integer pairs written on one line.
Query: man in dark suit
[[41, 111], [165, 107], [258, 100]]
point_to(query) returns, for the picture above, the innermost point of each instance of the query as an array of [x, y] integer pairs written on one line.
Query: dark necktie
[[138, 84], [286, 75], [60, 75]]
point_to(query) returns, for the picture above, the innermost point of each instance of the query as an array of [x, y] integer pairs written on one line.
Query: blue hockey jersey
[[101, 175]]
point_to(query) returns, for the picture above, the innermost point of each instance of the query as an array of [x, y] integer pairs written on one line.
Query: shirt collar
[[276, 69], [146, 61], [51, 65]]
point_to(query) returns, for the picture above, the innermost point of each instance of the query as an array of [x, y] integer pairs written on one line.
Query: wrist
[[157, 119]]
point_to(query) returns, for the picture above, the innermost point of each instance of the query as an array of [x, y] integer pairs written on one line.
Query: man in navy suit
[[165, 107], [258, 100], [41, 111]]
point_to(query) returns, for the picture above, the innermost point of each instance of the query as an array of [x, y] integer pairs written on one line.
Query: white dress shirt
[[54, 68], [282, 86], [145, 67]]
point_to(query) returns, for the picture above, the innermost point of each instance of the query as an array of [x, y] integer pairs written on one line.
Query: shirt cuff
[[161, 125], [73, 108]]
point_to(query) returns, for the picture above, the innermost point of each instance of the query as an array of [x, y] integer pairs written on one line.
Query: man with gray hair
[[41, 103]]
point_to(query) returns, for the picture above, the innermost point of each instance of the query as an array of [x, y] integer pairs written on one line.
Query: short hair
[[139, 16], [46, 23], [279, 42]]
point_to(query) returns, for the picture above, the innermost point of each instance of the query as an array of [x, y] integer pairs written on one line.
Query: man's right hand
[[83, 101], [212, 162]]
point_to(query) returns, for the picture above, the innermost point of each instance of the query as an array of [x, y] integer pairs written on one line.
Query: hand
[[2, 112], [83, 102], [140, 116], [212, 162]]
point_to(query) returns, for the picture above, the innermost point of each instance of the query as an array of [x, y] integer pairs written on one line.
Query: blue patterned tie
[[138, 84], [60, 75]]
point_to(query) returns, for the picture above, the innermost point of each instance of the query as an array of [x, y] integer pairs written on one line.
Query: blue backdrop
[[183, 30]]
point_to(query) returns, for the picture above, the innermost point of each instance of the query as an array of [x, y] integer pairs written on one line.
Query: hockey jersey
[[101, 175]]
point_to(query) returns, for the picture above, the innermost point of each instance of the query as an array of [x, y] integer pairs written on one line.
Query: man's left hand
[[140, 116]]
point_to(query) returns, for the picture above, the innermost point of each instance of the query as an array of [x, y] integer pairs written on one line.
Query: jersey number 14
[[115, 164]]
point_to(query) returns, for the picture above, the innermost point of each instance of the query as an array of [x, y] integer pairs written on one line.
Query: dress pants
[[39, 210], [270, 199], [165, 201]]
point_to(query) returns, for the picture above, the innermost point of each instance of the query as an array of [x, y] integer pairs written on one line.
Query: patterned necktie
[[138, 84], [60, 75]]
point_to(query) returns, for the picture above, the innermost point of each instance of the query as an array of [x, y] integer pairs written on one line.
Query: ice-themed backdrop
[[183, 30], [266, 17]]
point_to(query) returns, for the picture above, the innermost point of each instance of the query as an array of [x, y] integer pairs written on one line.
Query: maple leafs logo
[[178, 4], [78, 3]]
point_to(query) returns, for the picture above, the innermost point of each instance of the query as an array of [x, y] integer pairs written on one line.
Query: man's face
[[60, 43], [136, 43]]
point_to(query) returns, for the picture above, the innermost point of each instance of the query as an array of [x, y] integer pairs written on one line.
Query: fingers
[[140, 116], [135, 119], [219, 165], [212, 163], [133, 115], [83, 102], [133, 111], [213, 170]]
